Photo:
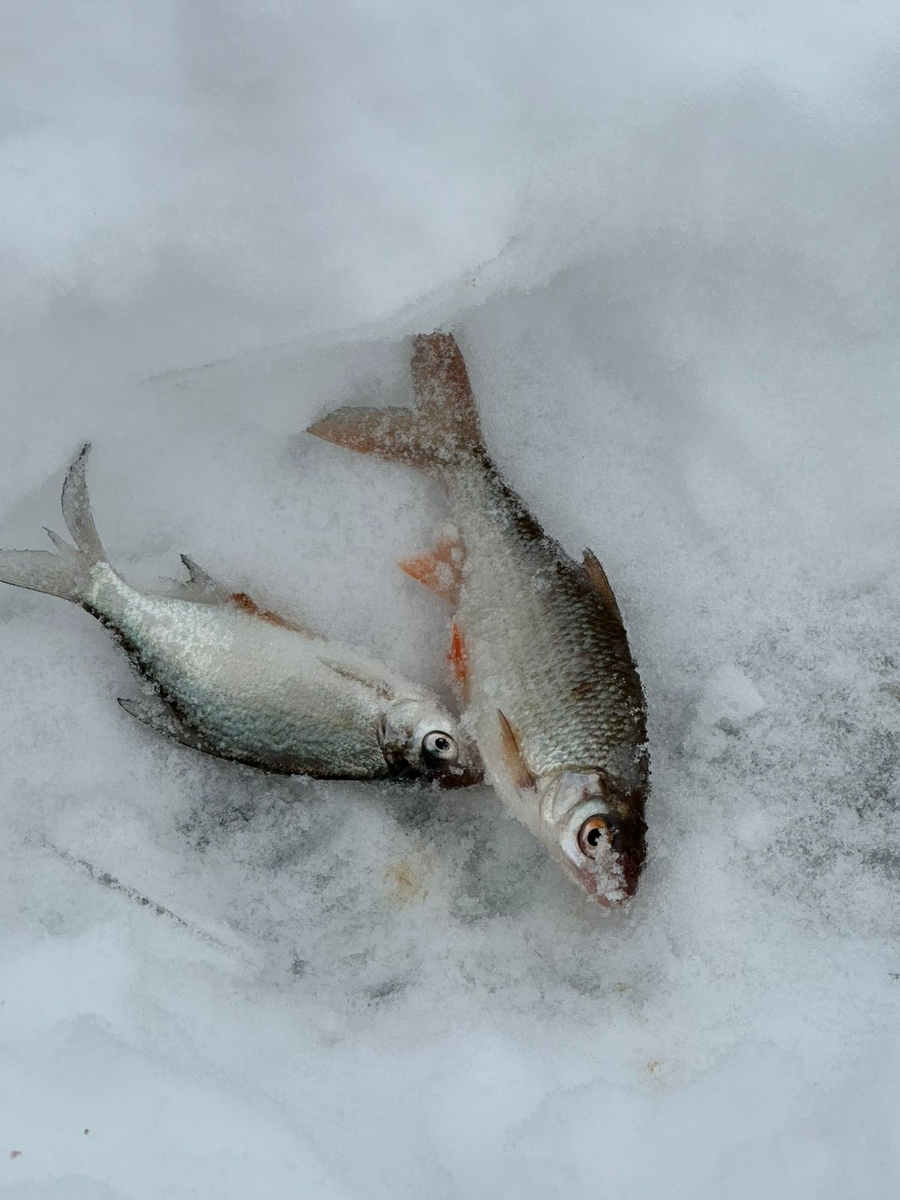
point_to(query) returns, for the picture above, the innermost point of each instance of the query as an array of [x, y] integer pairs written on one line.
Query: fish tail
[[442, 431], [66, 573]]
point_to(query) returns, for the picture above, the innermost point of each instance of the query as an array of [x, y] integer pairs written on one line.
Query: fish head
[[420, 737], [596, 829]]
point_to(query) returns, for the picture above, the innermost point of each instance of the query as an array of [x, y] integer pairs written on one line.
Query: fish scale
[[540, 652], [561, 672], [243, 684], [246, 684]]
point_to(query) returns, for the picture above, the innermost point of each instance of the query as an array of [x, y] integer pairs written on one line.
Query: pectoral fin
[[359, 676], [516, 765]]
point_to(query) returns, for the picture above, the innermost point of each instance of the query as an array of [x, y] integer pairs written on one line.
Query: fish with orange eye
[[543, 667]]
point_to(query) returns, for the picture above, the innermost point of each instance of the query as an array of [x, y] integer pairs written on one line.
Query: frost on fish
[[242, 683], [539, 648]]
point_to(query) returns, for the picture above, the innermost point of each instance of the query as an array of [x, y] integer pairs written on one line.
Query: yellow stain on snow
[[405, 886]]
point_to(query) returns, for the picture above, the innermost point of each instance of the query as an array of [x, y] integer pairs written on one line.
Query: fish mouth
[[613, 880], [606, 888], [447, 776], [456, 776], [599, 833]]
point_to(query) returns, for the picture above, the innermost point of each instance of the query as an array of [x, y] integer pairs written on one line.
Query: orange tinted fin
[[248, 605], [202, 588], [384, 432], [458, 658], [442, 430], [512, 755], [598, 578], [439, 569], [441, 383]]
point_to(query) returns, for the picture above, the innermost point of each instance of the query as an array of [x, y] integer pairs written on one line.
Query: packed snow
[[666, 238]]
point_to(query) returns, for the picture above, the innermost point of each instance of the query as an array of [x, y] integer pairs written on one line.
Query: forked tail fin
[[66, 573], [441, 432]]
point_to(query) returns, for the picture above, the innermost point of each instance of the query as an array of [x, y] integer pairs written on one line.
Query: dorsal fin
[[154, 712], [598, 578]]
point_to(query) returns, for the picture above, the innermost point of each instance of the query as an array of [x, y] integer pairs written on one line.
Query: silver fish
[[243, 684], [542, 661]]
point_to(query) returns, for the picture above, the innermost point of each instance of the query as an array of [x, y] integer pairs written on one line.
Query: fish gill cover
[[666, 240]]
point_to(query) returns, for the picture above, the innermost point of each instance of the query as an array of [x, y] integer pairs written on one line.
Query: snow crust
[[666, 236]]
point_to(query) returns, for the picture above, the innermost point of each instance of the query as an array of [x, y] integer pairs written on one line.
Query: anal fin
[[248, 605], [440, 569], [202, 588]]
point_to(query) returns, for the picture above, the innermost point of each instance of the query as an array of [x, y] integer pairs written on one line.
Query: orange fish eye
[[590, 833]]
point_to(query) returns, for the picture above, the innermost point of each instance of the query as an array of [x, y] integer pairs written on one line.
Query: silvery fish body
[[542, 661], [244, 684]]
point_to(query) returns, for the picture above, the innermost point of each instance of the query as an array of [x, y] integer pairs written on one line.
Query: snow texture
[[666, 235]]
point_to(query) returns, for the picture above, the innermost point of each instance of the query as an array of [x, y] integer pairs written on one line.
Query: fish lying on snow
[[539, 648], [243, 684]]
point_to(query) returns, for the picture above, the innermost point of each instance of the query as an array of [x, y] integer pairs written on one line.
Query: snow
[[666, 238]]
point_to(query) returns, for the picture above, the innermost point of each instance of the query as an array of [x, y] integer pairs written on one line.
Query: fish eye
[[590, 835], [439, 749]]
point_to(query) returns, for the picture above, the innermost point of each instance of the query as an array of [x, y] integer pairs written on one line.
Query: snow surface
[[666, 235]]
